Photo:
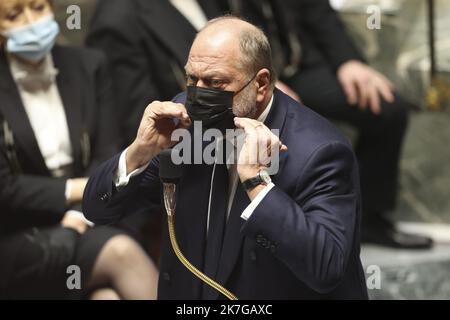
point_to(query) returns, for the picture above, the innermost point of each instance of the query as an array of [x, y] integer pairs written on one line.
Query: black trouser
[[379, 140]]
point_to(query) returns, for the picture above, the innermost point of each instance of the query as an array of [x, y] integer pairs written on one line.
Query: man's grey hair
[[256, 53]]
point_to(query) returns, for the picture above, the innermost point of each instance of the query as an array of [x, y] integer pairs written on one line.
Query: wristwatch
[[263, 178]]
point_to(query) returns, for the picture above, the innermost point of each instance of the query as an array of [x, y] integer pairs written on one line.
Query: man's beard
[[244, 105]]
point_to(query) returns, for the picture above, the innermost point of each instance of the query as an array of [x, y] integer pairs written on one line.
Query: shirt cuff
[[121, 178], [252, 206]]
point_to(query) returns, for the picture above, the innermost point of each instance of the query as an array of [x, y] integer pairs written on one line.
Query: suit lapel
[[68, 82], [233, 239], [191, 217], [276, 120], [169, 26], [14, 112]]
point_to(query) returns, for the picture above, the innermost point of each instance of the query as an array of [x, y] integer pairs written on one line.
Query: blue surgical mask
[[33, 41]]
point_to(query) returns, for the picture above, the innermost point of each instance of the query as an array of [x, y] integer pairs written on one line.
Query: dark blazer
[[29, 196], [302, 241], [147, 44], [321, 34]]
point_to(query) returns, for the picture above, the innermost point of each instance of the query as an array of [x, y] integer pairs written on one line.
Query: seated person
[[316, 60], [291, 235], [55, 127], [147, 43]]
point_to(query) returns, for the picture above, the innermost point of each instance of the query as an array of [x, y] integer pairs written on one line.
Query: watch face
[[265, 176]]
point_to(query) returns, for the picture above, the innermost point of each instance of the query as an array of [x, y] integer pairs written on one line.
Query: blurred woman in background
[[56, 125]]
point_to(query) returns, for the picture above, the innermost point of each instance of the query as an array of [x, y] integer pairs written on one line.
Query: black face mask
[[212, 106]]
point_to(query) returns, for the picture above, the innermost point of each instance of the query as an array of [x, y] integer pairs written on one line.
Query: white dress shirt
[[122, 179], [192, 11], [45, 110]]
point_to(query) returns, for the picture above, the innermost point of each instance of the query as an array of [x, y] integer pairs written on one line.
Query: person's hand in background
[[363, 85], [76, 221], [75, 189]]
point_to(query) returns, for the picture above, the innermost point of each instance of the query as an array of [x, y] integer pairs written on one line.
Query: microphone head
[[168, 171]]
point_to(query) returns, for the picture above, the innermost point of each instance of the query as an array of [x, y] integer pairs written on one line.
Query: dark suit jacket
[[147, 44], [302, 241], [321, 34], [29, 196]]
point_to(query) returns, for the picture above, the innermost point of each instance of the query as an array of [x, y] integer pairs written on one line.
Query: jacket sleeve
[[312, 231], [323, 26], [104, 140], [23, 195], [103, 203]]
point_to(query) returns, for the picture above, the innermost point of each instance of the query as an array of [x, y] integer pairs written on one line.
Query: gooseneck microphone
[[170, 175]]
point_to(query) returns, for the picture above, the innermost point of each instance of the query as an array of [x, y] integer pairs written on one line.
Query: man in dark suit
[[318, 61], [147, 44], [292, 236]]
